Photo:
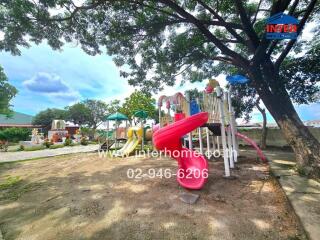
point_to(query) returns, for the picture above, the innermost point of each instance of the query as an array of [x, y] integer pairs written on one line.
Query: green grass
[[10, 182], [13, 188], [34, 148], [56, 146]]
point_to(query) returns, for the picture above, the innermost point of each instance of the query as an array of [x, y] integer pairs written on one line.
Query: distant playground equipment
[[135, 135], [112, 138], [212, 113]]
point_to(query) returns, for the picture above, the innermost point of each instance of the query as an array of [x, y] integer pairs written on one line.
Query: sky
[[54, 79]]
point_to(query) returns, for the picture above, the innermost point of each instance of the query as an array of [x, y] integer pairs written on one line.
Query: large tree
[[78, 113], [89, 112], [160, 39], [139, 101], [45, 117], [7, 92]]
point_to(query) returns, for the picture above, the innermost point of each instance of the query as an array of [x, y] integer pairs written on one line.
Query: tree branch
[[227, 25], [225, 50], [248, 28], [256, 14], [299, 30], [76, 10]]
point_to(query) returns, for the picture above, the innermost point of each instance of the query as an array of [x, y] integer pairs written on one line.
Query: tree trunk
[[277, 101], [263, 140]]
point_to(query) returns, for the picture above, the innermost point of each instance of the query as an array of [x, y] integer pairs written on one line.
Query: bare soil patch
[[82, 196]]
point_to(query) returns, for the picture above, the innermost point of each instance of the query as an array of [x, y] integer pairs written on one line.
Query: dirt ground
[[82, 196]]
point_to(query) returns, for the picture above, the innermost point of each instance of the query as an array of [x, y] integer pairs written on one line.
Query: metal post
[[200, 140], [189, 114], [159, 116], [229, 137], [233, 128], [223, 132], [143, 134], [208, 142]]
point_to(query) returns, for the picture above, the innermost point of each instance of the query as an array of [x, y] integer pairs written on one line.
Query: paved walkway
[[24, 155], [303, 193]]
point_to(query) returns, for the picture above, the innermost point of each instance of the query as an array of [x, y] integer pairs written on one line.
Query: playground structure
[[211, 113], [207, 118], [134, 135]]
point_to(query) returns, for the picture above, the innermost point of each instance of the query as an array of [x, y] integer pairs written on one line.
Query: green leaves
[[138, 101], [45, 117], [7, 92]]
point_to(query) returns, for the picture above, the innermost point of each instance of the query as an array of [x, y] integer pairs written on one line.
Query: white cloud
[[51, 85]]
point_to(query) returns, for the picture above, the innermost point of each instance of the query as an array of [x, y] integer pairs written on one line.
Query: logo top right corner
[[281, 26]]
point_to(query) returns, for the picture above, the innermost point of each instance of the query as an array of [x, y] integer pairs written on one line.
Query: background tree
[[161, 39], [78, 113], [98, 111], [244, 101], [301, 80], [90, 113], [7, 92], [45, 117], [139, 101], [113, 106]]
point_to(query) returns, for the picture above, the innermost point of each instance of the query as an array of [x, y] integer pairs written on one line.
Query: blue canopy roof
[[281, 18], [237, 79]]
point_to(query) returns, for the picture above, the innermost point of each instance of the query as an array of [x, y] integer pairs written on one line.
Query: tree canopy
[[139, 101], [155, 41], [91, 112], [7, 92], [46, 117], [164, 37]]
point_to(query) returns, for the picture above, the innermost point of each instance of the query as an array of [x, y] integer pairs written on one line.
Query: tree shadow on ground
[[86, 197]]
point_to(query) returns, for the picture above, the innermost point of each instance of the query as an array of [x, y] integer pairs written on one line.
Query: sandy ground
[[82, 196]]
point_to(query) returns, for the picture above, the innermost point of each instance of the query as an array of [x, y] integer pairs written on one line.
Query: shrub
[[47, 143], [87, 132], [84, 141], [15, 134], [67, 142], [3, 145], [21, 148]]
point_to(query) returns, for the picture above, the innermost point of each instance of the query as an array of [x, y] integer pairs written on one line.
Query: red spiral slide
[[192, 167]]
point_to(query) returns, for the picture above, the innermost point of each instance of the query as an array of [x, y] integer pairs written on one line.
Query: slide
[[253, 144], [192, 167], [134, 138]]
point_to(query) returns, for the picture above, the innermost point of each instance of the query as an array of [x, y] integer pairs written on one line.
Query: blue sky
[[47, 78]]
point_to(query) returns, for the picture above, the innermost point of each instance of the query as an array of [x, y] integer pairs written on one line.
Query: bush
[[68, 142], [4, 146], [21, 148], [47, 143], [15, 134], [84, 141], [87, 132]]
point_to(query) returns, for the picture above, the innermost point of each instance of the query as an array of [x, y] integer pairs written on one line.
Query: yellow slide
[[135, 135]]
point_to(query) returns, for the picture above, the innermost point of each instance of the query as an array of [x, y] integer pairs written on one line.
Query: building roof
[[16, 120]]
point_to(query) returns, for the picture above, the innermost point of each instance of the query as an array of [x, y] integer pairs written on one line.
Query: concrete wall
[[274, 137]]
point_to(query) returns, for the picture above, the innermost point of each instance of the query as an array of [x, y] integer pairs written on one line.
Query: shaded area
[[83, 196], [303, 193]]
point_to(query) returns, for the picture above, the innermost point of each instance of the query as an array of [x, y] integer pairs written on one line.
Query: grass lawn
[[82, 196]]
